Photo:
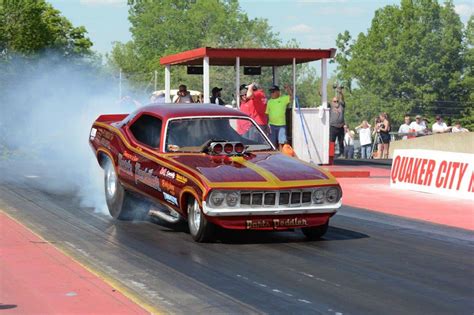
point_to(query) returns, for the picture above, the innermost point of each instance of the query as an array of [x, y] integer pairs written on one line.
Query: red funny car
[[189, 162]]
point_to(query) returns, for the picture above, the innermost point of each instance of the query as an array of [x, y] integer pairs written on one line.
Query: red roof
[[184, 110], [248, 56]]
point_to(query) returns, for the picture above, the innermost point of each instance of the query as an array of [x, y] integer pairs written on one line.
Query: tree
[[169, 26], [409, 61], [31, 27]]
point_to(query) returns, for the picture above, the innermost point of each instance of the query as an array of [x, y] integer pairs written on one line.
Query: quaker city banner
[[437, 172]]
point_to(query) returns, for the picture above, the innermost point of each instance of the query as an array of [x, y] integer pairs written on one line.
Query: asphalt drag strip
[[366, 264]]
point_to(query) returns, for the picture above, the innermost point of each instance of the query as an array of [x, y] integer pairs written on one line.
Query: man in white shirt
[[405, 128], [418, 126], [440, 126], [457, 128]]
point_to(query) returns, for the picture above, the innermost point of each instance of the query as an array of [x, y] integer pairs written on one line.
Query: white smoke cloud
[[47, 109]]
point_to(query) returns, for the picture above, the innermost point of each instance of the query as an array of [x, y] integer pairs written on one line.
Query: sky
[[313, 23]]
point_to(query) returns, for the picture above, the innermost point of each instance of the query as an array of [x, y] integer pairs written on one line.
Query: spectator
[[440, 126], [216, 96], [158, 98], [276, 111], [244, 126], [405, 128], [365, 139], [348, 142], [336, 121], [418, 126], [457, 128], [252, 103], [383, 129], [288, 150], [259, 103], [183, 95]]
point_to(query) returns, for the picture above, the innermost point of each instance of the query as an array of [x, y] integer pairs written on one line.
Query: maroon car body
[[174, 156]]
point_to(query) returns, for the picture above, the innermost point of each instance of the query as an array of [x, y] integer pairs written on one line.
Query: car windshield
[[192, 134]]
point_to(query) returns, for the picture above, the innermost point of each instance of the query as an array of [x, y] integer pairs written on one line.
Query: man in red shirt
[[253, 102]]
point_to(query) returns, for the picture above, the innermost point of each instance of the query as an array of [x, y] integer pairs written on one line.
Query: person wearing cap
[[418, 126], [276, 111], [440, 126], [216, 96]]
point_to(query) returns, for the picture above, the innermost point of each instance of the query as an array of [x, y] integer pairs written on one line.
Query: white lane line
[[304, 301], [307, 274]]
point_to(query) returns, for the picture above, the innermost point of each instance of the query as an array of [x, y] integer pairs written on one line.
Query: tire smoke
[[46, 111]]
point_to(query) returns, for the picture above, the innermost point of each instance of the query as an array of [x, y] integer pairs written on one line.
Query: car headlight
[[232, 199], [217, 198], [332, 195], [318, 196]]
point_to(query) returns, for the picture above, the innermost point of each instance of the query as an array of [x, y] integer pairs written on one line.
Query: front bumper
[[257, 211]]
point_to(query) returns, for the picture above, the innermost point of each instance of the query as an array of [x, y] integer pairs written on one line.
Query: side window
[[147, 130]]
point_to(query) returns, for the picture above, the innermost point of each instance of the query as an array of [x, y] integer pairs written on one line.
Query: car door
[[146, 132]]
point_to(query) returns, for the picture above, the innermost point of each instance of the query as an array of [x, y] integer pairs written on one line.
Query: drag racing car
[[211, 166]]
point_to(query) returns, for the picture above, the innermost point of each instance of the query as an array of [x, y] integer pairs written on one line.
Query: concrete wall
[[316, 125], [462, 142]]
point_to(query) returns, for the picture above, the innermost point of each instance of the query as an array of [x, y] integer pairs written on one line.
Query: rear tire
[[122, 205], [200, 228], [315, 232]]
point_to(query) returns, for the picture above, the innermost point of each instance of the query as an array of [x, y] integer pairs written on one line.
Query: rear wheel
[[315, 232], [122, 205], [199, 227]]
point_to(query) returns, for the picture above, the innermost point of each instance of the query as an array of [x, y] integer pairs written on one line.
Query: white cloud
[[103, 2], [300, 28], [464, 10]]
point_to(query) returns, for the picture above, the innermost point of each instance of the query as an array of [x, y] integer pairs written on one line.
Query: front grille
[[306, 198], [275, 198], [284, 198], [257, 199], [245, 198], [270, 199], [295, 197]]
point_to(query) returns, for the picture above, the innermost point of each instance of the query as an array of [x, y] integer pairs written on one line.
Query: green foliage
[[165, 27], [410, 61], [31, 27]]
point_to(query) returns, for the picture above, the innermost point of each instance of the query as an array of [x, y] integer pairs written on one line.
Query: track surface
[[368, 263]]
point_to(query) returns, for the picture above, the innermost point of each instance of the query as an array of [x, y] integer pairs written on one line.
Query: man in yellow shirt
[[276, 112]]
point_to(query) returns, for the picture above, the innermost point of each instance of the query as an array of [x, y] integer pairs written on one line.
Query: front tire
[[200, 228], [122, 205], [315, 232]]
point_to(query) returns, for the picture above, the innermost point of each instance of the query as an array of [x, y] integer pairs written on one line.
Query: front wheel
[[122, 205], [199, 227], [315, 232]]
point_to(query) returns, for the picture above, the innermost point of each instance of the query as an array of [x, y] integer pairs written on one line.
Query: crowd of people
[[375, 142], [270, 115]]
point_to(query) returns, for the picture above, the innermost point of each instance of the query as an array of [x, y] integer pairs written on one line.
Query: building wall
[[316, 126]]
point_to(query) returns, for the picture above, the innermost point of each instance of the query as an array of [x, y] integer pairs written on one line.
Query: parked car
[[196, 163]]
